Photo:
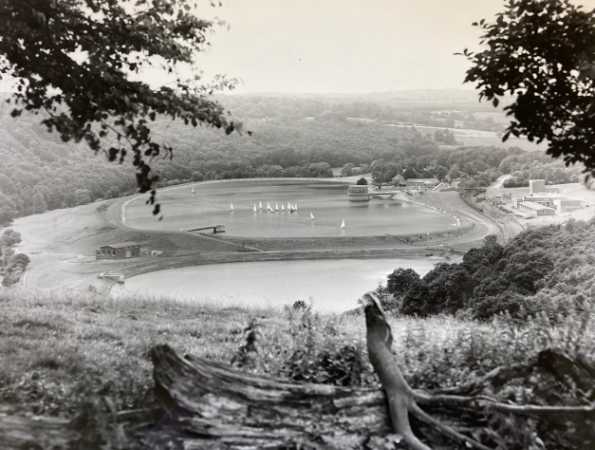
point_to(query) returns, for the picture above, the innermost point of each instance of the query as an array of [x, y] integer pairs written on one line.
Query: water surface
[[322, 209], [332, 285]]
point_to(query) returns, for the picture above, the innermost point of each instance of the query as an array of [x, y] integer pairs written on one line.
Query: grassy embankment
[[58, 350]]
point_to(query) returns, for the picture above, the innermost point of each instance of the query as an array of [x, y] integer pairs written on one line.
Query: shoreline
[[62, 243], [443, 243]]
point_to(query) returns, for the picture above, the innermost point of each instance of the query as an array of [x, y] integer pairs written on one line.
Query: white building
[[536, 210], [567, 204], [536, 186]]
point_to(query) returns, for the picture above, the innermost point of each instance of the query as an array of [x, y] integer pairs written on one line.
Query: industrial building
[[536, 186], [543, 200], [567, 204], [536, 210]]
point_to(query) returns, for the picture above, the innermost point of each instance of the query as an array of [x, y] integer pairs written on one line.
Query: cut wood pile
[[200, 404]]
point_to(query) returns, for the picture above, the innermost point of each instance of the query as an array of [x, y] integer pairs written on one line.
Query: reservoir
[[331, 285], [284, 208]]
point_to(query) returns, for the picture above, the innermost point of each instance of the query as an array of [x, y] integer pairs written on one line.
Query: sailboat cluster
[[279, 207], [276, 207]]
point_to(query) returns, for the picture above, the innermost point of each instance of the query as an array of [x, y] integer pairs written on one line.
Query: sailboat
[[269, 208], [193, 190], [260, 205], [282, 207], [231, 207], [343, 224], [311, 216], [276, 206], [254, 207]]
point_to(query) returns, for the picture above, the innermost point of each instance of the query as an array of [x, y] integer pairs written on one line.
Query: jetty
[[112, 276], [215, 229]]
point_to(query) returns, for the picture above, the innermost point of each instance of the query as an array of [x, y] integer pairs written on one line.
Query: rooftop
[[534, 206], [122, 244]]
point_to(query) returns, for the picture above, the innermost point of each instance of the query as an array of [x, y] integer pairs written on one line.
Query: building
[[358, 193], [536, 210], [543, 200], [536, 186], [422, 183], [567, 204], [118, 251]]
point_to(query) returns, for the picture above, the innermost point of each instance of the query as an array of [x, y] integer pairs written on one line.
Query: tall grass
[[60, 349]]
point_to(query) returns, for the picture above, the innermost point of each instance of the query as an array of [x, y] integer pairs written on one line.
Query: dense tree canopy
[[80, 63], [544, 270], [542, 54], [39, 172]]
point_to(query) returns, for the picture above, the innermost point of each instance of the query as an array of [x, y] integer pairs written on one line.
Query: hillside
[[547, 271], [292, 136]]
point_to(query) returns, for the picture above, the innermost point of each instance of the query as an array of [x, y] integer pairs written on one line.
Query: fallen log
[[215, 407], [201, 404], [16, 432]]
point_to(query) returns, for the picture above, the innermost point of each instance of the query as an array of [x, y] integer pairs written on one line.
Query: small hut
[[120, 250]]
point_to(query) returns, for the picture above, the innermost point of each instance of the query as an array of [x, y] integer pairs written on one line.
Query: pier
[[215, 229]]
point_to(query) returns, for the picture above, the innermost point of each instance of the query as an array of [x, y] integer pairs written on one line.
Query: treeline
[[291, 138], [39, 172], [546, 270], [472, 166], [539, 166], [446, 109], [443, 164]]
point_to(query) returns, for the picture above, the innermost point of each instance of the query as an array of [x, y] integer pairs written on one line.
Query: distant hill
[[302, 135]]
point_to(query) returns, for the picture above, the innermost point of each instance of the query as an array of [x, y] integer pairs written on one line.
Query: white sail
[[276, 206], [260, 205], [231, 207], [343, 223], [268, 207], [282, 207], [254, 207], [311, 216]]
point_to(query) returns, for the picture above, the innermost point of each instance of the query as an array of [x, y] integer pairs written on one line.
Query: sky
[[343, 46]]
